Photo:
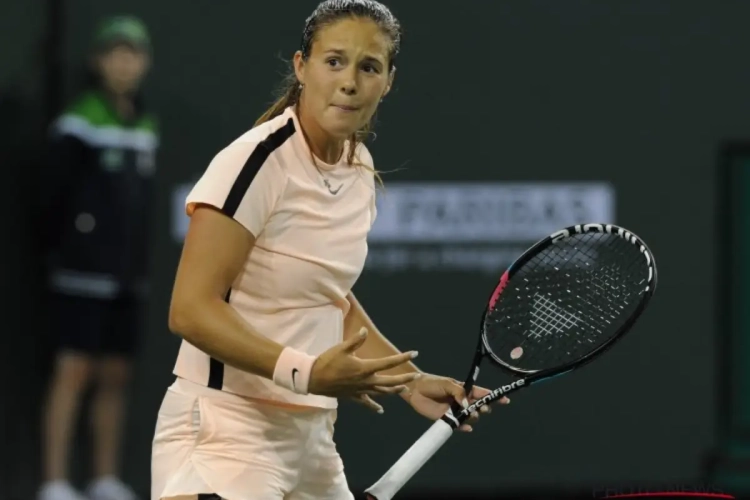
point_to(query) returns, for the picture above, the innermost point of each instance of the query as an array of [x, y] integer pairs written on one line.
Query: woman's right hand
[[338, 372]]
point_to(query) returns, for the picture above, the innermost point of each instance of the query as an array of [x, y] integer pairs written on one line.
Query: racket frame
[[457, 414]]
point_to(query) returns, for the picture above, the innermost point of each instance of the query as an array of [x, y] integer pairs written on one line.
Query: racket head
[[567, 299]]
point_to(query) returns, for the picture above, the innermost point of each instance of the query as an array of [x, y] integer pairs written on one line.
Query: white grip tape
[[411, 461]]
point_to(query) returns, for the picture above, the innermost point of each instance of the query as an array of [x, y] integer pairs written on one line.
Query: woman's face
[[122, 68], [345, 76]]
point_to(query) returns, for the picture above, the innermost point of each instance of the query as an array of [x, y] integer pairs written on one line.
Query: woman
[[98, 183], [262, 297]]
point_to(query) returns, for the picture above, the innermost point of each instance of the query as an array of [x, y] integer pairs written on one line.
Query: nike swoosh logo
[[330, 188], [294, 374]]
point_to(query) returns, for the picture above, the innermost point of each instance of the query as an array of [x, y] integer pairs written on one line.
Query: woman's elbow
[[181, 316]]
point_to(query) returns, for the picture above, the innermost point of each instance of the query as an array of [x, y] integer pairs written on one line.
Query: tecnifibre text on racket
[[561, 304]]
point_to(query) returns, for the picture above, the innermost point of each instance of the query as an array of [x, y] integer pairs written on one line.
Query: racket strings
[[579, 345], [566, 301], [589, 281], [531, 273], [600, 320]]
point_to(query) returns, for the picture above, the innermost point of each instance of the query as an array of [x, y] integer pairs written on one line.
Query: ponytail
[[290, 94]]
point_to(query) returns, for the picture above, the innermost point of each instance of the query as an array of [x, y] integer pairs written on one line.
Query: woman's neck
[[322, 145]]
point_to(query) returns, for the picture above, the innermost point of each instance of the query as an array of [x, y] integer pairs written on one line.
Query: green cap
[[123, 29]]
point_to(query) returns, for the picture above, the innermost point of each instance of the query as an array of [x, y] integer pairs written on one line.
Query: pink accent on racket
[[499, 289]]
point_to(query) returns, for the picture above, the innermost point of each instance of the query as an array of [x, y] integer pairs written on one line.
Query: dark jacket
[[97, 199]]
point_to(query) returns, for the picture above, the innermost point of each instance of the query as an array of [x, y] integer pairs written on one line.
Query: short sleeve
[[244, 182]]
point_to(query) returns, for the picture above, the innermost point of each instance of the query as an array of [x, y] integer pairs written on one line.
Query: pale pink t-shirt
[[310, 248]]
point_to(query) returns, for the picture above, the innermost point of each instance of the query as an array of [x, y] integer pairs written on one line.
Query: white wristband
[[293, 369]]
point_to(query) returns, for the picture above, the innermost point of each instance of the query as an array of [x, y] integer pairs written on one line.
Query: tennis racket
[[561, 304]]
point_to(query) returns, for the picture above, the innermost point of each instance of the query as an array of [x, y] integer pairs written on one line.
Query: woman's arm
[[214, 252], [376, 345], [429, 395]]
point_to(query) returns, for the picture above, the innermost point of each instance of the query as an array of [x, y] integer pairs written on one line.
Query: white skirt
[[211, 442]]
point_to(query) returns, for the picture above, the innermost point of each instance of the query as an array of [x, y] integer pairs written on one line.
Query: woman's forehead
[[353, 34]]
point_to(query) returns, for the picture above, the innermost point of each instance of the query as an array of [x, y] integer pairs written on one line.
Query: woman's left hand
[[432, 395]]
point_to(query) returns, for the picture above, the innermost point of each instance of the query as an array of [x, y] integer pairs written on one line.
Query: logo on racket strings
[[609, 229]]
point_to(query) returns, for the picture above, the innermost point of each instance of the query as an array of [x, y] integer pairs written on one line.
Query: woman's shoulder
[[363, 154], [365, 164], [273, 132], [261, 142]]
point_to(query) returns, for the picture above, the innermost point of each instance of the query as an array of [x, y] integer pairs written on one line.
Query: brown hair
[[328, 12]]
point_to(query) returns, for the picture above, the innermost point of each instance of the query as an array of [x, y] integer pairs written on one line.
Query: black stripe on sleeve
[[253, 165], [251, 168], [216, 367]]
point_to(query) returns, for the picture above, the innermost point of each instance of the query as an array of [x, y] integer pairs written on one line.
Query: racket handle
[[410, 462]]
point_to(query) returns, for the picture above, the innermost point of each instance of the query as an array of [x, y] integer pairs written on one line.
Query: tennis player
[[272, 334]]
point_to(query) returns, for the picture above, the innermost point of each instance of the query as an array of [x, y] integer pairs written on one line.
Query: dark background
[[639, 93]]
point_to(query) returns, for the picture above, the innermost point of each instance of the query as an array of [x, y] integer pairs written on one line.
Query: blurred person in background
[[97, 183]]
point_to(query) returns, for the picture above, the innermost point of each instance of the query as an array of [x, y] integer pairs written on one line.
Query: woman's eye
[[369, 68], [333, 62]]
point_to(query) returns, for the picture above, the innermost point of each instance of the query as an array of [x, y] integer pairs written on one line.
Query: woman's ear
[[391, 76], [299, 67]]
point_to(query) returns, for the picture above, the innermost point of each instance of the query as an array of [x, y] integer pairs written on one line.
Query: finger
[[355, 341], [391, 380], [379, 389], [371, 366], [485, 409], [367, 401], [457, 391], [370, 392], [473, 418], [504, 400], [465, 428], [478, 392]]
